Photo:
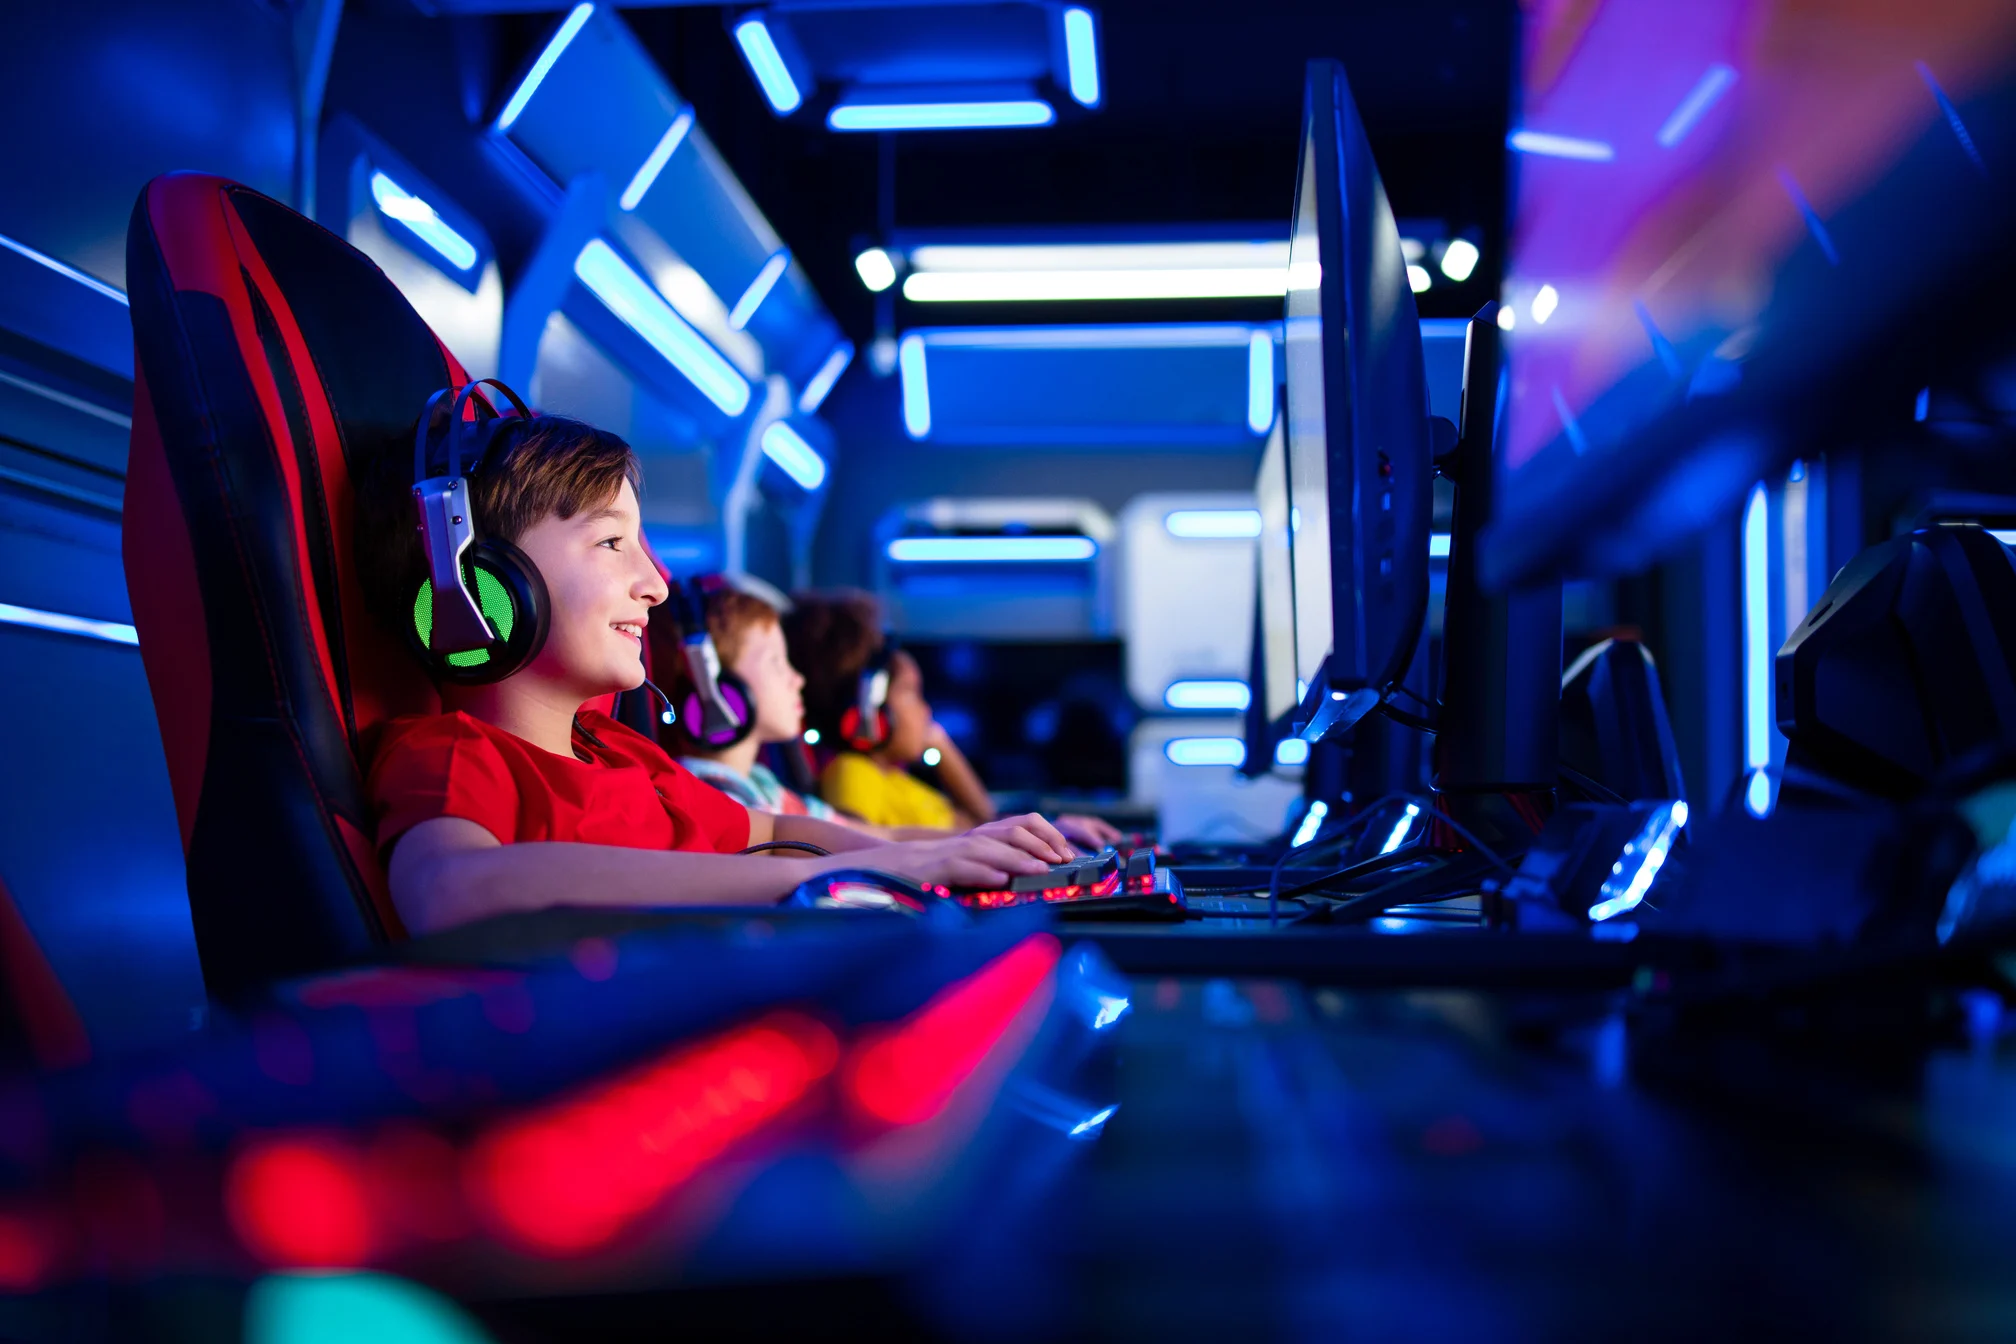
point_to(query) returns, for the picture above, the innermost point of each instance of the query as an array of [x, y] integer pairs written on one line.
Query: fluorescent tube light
[[876, 270], [1418, 278], [1207, 695], [1293, 751], [1205, 750], [814, 395], [800, 461], [1438, 545], [90, 282], [1065, 286], [1312, 820], [1544, 303], [759, 288], [1507, 319], [990, 550], [640, 308], [421, 220], [1704, 95], [767, 64], [647, 173], [1398, 835], [1560, 146], [1260, 382], [1459, 259], [1081, 56], [542, 67], [1212, 524], [940, 116], [916, 390], [1142, 336], [1757, 648], [112, 632]]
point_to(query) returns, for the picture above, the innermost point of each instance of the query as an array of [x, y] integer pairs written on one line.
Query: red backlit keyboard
[[1109, 881]]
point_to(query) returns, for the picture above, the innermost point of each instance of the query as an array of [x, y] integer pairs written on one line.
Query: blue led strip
[[799, 460], [1757, 650], [112, 632], [1705, 94], [542, 67], [814, 395], [916, 388], [767, 64], [661, 154], [1205, 750], [640, 307], [90, 282], [940, 116], [1553, 146], [1081, 57], [990, 550], [422, 221]]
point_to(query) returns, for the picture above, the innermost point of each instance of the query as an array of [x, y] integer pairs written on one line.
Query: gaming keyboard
[[1111, 881]]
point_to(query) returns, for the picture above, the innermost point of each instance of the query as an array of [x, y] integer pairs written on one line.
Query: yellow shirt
[[883, 797]]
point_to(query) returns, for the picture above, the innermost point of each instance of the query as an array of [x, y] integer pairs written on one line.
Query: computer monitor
[[1271, 673], [1760, 243], [1360, 451]]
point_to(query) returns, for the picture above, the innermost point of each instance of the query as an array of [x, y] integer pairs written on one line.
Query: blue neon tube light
[[661, 154], [1757, 649], [1707, 91], [1260, 382], [1631, 877], [1293, 751], [1438, 545], [1398, 835], [916, 390], [1312, 820], [1213, 524], [814, 395], [544, 65], [767, 64], [42, 259], [990, 550], [112, 632], [1560, 146], [759, 288], [1205, 750], [940, 116], [1207, 695], [422, 221], [800, 461], [626, 294], [1081, 56]]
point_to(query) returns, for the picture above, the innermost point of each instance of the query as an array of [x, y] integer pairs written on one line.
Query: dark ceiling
[[1200, 122]]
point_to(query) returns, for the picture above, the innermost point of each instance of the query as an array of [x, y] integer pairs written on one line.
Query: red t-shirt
[[629, 792]]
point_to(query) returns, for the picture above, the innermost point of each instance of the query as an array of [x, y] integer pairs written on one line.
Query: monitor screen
[[1308, 439], [1278, 673], [1685, 184]]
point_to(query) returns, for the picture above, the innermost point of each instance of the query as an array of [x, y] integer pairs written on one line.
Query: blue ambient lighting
[[1952, 116], [110, 631], [1398, 835], [1112, 1007], [1757, 648], [759, 288], [940, 116], [1821, 237], [1260, 382], [1291, 751], [814, 395], [994, 550], [543, 66], [90, 282], [1312, 820], [1438, 545], [1207, 695], [1213, 524], [1638, 866], [1705, 94], [916, 390], [767, 64], [1205, 750], [647, 173], [800, 461], [1081, 56], [625, 293], [421, 219], [1089, 1127], [1559, 146]]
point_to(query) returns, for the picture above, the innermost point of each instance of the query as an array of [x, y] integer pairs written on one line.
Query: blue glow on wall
[[569, 29], [626, 294]]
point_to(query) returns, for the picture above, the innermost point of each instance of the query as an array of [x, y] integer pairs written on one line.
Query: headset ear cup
[[864, 735], [505, 578], [734, 694]]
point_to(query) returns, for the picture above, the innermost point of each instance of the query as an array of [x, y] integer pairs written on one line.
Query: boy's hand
[[969, 860], [1091, 832], [1031, 834]]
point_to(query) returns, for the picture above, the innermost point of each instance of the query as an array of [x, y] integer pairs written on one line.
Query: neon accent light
[[916, 387], [422, 221], [542, 67], [111, 632], [626, 294], [1207, 695], [1560, 146], [940, 116], [1081, 57], [759, 288], [1205, 750], [816, 391], [800, 461], [995, 550], [1213, 524], [767, 64], [661, 154]]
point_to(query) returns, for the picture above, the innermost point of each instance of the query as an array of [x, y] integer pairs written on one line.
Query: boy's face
[[764, 664], [602, 587], [909, 712]]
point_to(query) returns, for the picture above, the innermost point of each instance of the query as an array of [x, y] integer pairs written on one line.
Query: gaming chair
[[273, 364]]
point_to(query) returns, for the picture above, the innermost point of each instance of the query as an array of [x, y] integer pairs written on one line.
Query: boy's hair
[[545, 465], [732, 615], [832, 636]]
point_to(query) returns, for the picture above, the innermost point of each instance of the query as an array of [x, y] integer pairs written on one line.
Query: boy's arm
[[828, 835], [448, 871]]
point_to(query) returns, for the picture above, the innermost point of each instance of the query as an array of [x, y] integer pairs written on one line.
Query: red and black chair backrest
[[274, 364]]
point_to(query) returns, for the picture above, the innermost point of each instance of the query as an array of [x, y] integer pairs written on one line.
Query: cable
[[1274, 874], [1483, 849], [1407, 719], [1419, 699], [1589, 784], [769, 845]]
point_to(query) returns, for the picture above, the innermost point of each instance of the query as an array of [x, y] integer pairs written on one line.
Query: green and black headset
[[482, 612]]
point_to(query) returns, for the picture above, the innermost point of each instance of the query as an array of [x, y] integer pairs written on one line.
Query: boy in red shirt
[[515, 797]]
